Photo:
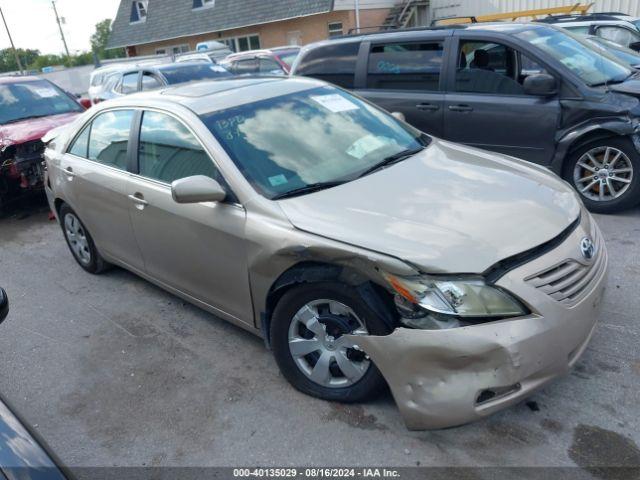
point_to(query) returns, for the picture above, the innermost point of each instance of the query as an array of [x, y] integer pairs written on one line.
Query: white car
[[616, 27]]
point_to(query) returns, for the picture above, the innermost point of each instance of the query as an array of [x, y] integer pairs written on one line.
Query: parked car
[[630, 57], [214, 49], [266, 62], [151, 77], [531, 91], [99, 78], [359, 248], [619, 28], [29, 108]]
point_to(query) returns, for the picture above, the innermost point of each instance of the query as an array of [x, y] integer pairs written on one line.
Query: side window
[[149, 82], [80, 145], [619, 35], [129, 83], [489, 68], [268, 65], [168, 150], [246, 66], [335, 63], [405, 66], [109, 138]]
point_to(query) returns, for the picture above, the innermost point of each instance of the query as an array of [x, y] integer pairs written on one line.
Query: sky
[[33, 24]]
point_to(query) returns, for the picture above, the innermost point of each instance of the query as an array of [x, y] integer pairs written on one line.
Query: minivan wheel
[[308, 331], [606, 173], [80, 242]]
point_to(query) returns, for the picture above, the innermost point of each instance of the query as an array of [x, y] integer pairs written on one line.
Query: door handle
[[69, 173], [138, 200], [461, 108], [430, 107]]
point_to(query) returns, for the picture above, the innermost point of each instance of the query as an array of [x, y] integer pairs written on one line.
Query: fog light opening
[[495, 393]]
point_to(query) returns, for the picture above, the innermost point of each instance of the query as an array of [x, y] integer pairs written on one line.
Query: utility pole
[[13, 47], [66, 49], [357, 16]]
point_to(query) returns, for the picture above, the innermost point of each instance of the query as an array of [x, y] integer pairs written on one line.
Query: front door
[[198, 249], [95, 178], [486, 106], [406, 77]]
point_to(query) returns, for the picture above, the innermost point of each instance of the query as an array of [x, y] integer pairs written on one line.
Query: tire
[[79, 241], [334, 320], [586, 173]]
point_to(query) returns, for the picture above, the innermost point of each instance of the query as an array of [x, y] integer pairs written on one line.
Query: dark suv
[[531, 91]]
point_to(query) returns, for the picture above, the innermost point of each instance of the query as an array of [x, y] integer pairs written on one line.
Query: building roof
[[169, 19]]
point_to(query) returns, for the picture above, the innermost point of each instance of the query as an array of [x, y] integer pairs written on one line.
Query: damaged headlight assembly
[[434, 303]]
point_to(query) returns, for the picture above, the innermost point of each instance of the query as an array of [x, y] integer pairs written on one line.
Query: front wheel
[[308, 336], [606, 174], [80, 242]]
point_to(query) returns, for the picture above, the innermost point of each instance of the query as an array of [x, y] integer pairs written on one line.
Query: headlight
[[464, 298]]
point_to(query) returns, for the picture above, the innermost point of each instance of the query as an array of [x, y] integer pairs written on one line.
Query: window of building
[[109, 138], [493, 68], [242, 44], [405, 66], [335, 29], [175, 49], [138, 11], [335, 63], [168, 150]]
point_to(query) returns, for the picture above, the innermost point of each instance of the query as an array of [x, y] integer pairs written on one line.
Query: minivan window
[[591, 66], [302, 139], [168, 151], [109, 138], [334, 63], [405, 66]]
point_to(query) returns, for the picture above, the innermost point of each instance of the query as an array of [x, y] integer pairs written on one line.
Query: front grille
[[570, 281]]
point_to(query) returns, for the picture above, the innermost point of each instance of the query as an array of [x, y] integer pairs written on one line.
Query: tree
[[100, 39], [8, 59]]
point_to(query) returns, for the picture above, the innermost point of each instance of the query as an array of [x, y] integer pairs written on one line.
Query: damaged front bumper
[[444, 378]]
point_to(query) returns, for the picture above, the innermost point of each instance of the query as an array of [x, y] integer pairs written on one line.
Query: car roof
[[20, 79], [213, 95]]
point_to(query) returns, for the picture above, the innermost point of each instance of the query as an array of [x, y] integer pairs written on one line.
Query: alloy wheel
[[603, 174], [319, 347], [77, 238]]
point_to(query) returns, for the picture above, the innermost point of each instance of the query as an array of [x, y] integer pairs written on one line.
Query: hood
[[449, 209], [33, 129]]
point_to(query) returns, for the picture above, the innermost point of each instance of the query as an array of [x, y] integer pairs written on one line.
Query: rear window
[[190, 73], [335, 63]]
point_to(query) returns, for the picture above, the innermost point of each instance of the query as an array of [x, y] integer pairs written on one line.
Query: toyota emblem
[[588, 248]]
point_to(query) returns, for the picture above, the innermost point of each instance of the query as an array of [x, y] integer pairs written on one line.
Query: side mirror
[[635, 46], [540, 85], [4, 305], [399, 116], [197, 189]]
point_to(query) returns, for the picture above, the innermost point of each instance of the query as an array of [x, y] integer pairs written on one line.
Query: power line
[[64, 41], [13, 47]]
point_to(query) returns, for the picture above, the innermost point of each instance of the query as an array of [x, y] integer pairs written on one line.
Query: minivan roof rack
[[513, 16], [577, 18]]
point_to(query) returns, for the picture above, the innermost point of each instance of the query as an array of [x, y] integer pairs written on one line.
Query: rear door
[[407, 77], [486, 106]]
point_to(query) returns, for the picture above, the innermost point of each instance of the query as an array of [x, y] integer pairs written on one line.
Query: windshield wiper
[[30, 117], [313, 187], [398, 157]]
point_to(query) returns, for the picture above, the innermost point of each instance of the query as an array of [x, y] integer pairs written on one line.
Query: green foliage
[[34, 60]]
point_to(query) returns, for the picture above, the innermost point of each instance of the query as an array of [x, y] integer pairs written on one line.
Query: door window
[[492, 68], [149, 82], [168, 151], [129, 83], [268, 65], [335, 63], [246, 66], [619, 35], [109, 138], [406, 66], [80, 145]]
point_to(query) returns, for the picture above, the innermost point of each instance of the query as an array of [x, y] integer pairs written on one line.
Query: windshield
[[190, 73], [625, 54], [24, 100], [591, 65], [316, 136]]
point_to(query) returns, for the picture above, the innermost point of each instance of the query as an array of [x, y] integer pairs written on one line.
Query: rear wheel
[[80, 242], [606, 173], [308, 335]]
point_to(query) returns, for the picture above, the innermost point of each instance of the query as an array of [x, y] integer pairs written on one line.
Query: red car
[[29, 108]]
